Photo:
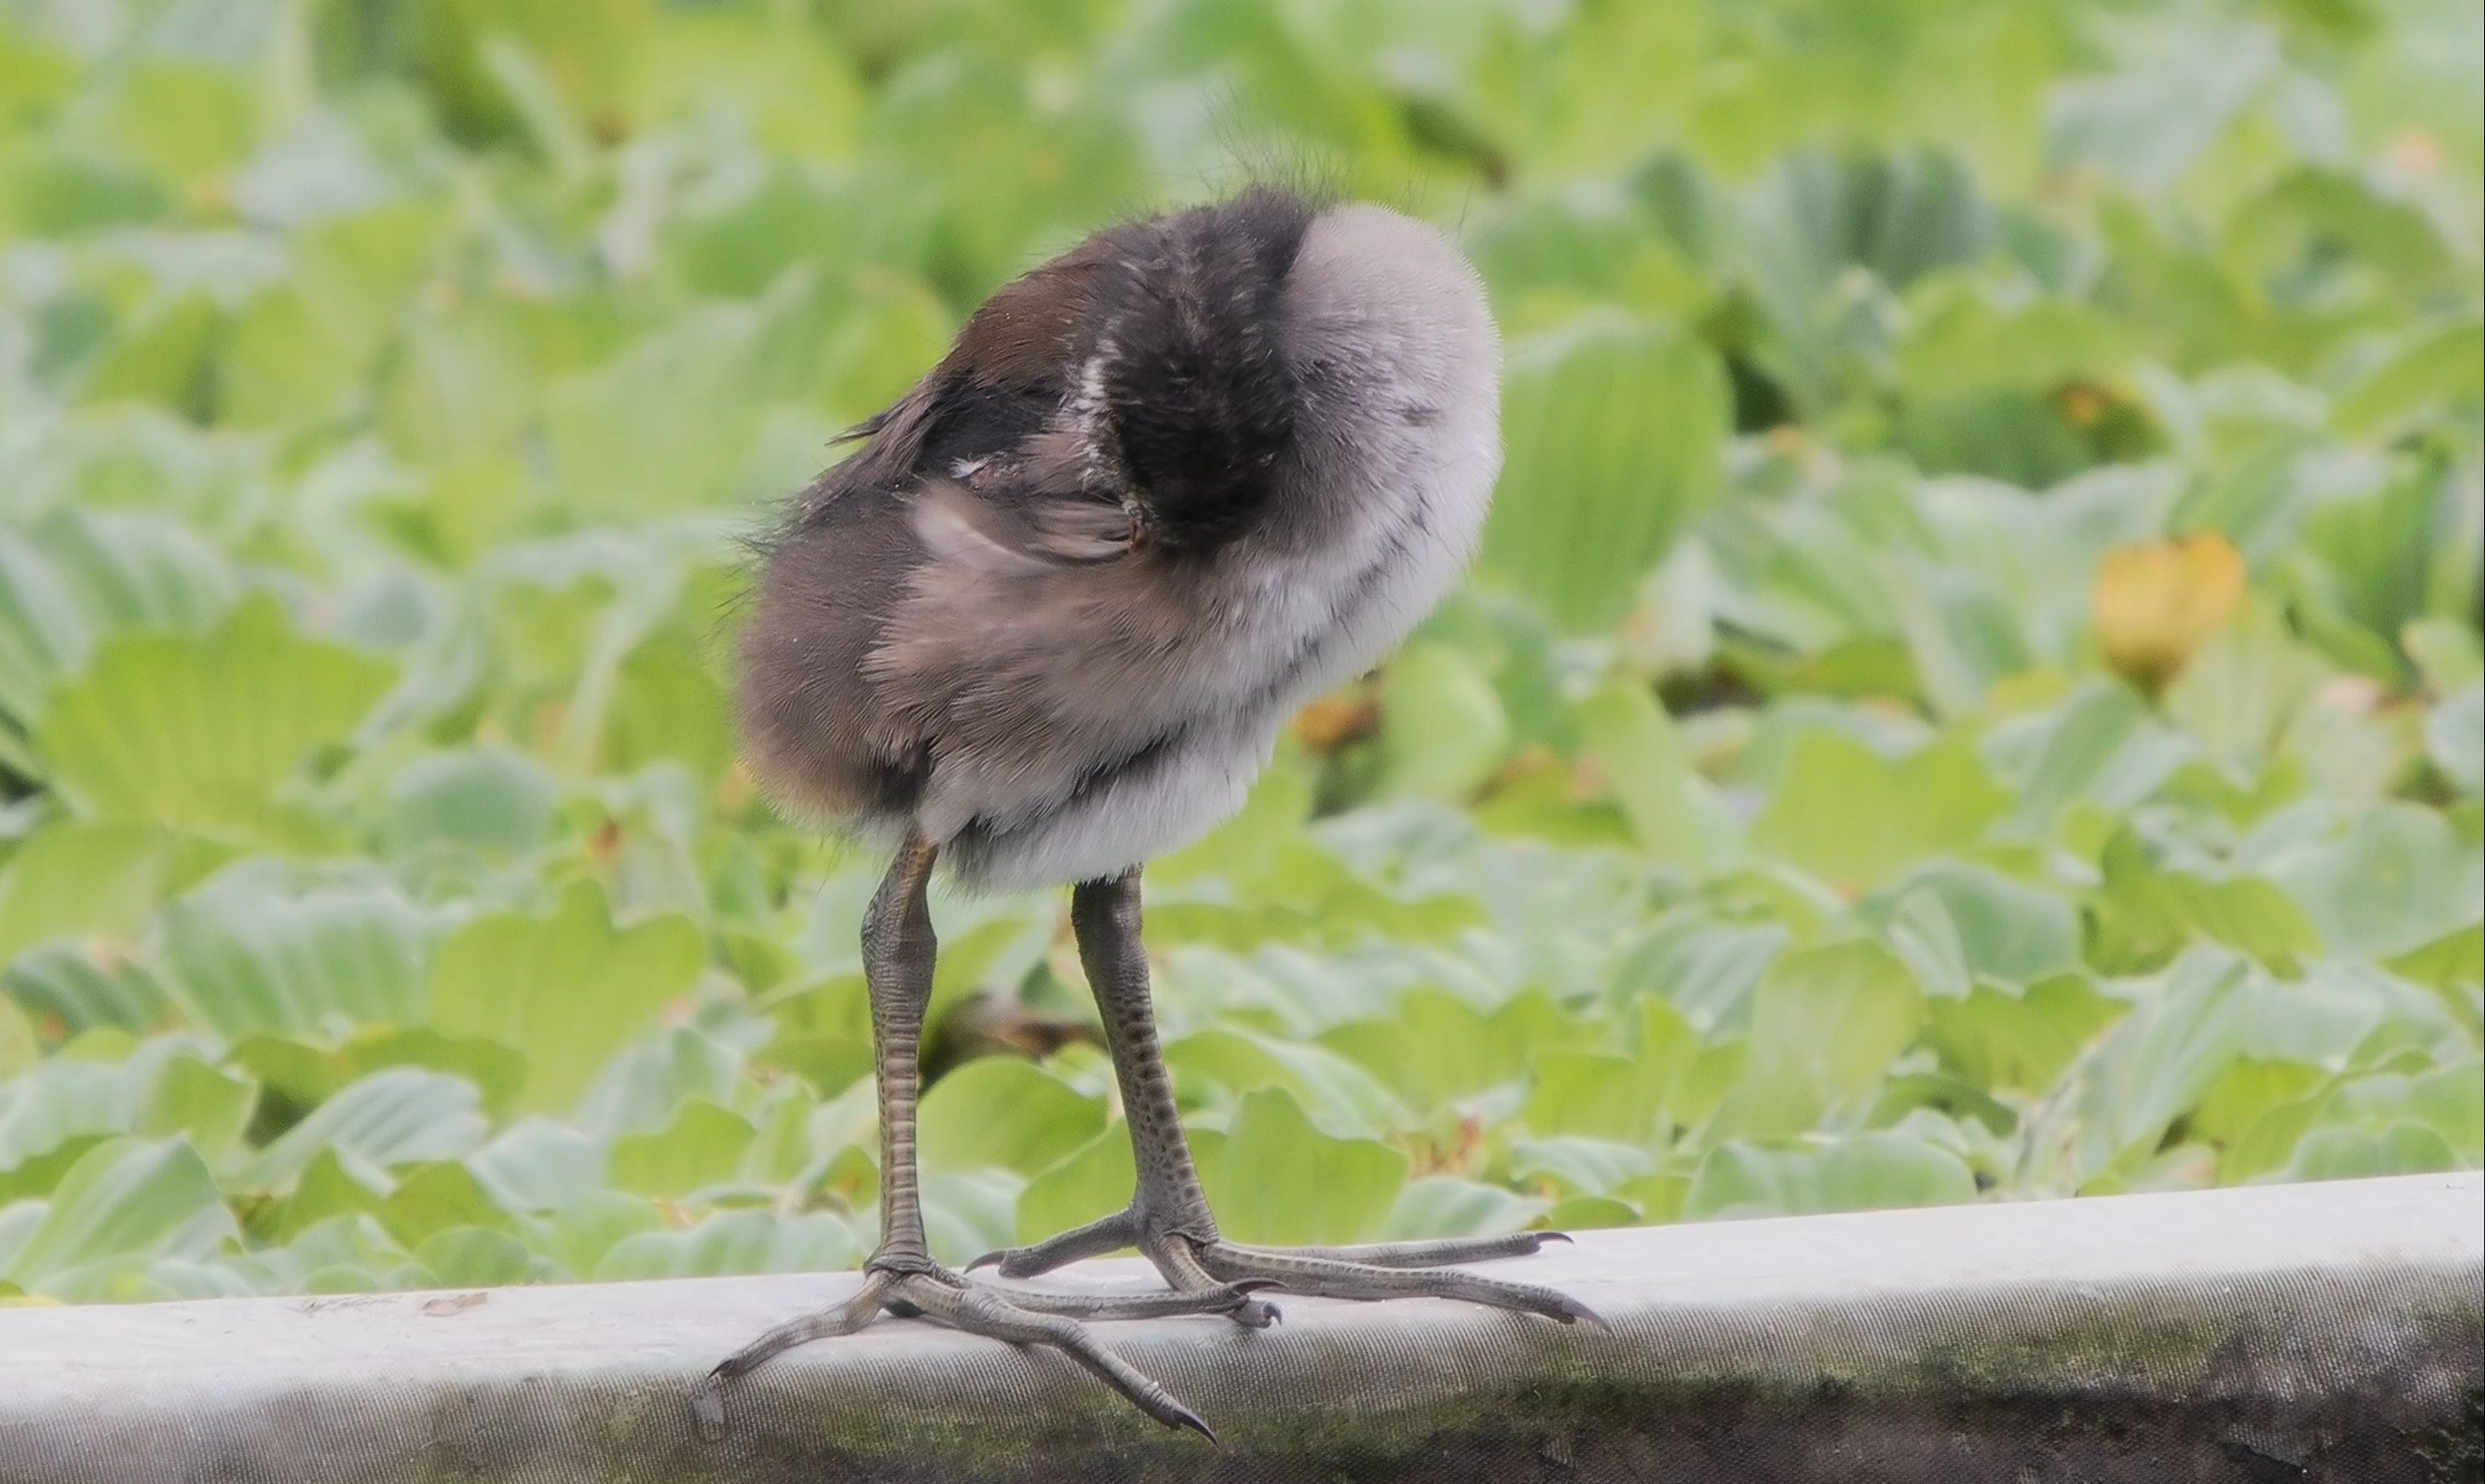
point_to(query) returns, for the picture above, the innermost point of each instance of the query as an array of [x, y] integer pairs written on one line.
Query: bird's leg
[[1169, 1219], [901, 1277]]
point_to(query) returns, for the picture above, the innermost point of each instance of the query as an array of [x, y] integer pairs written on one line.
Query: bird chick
[[1045, 624]]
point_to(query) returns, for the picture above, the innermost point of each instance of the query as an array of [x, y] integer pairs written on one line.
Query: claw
[[1184, 1417], [1563, 1237], [1253, 1313]]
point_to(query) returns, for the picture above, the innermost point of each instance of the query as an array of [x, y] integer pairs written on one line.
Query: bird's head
[[1242, 363]]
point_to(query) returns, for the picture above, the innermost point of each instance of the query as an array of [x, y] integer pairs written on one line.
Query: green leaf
[[1339, 1093], [1705, 969], [2356, 1153], [160, 356], [2454, 738], [2161, 1060], [969, 1212], [282, 362], [121, 570], [1278, 1179], [732, 1242], [126, 1200], [583, 1231], [1594, 1095], [400, 1116], [435, 1198], [486, 800], [325, 1190], [2399, 879], [516, 979], [2006, 1036], [703, 1145], [2434, 370], [2146, 913], [474, 1257], [1865, 1173], [1432, 1047], [242, 954], [460, 386], [1578, 1166], [1617, 433], [308, 1072], [1817, 219], [79, 575], [1589, 1213], [1001, 1111], [159, 1088], [74, 877], [1856, 818], [19, 1048], [2449, 1100], [1445, 1205], [658, 427], [1442, 728], [2148, 120], [1090, 1182], [1965, 339], [208, 1106], [541, 1166], [187, 730], [68, 993], [183, 120], [1826, 1023], [2244, 686], [2001, 928], [2101, 746], [1647, 765]]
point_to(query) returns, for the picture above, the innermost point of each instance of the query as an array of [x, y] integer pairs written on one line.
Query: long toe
[[1092, 1240], [1448, 1251], [1232, 1299], [1318, 1274], [978, 1309]]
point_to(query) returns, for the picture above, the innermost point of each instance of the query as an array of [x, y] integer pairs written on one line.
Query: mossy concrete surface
[[2317, 1332]]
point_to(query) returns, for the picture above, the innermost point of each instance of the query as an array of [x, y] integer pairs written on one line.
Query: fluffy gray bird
[[1044, 625]]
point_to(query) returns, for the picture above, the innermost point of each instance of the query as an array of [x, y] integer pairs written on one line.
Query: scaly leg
[[901, 1277], [1169, 1219]]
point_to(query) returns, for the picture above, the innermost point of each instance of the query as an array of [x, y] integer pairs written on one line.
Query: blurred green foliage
[[1839, 787]]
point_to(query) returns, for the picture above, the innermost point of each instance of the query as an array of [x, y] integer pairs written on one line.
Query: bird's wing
[[1038, 645]]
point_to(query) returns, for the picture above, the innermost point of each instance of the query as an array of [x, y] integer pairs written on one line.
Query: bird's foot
[[1390, 1270], [923, 1290]]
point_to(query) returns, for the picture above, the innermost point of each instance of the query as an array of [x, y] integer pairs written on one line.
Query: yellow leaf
[[2157, 603], [1331, 721]]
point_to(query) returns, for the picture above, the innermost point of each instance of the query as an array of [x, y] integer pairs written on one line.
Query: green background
[[1826, 794]]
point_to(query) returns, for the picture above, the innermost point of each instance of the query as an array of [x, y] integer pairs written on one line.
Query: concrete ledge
[[2322, 1332]]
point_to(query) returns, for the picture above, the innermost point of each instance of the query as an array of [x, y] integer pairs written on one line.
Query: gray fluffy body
[[1051, 613]]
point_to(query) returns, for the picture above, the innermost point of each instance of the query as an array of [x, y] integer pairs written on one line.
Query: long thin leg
[[901, 1277], [899, 951], [1105, 919], [1168, 1218]]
